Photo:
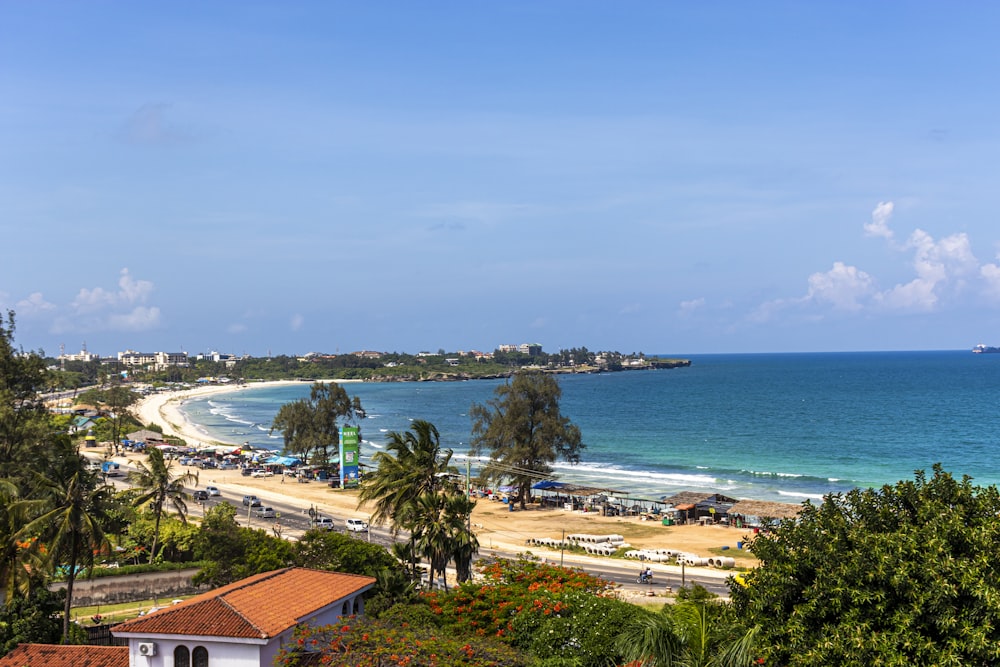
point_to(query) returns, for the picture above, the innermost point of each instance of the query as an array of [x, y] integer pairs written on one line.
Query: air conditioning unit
[[147, 649]]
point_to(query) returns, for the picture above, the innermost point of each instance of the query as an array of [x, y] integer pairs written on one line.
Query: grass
[[115, 613]]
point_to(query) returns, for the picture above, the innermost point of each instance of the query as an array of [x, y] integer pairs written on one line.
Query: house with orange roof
[[243, 624]]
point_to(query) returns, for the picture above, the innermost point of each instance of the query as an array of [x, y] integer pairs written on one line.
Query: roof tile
[[56, 655], [261, 606]]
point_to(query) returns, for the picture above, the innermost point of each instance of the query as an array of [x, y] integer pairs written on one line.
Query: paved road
[[293, 520]]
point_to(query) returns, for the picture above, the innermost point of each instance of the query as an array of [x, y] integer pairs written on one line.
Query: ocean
[[780, 427]]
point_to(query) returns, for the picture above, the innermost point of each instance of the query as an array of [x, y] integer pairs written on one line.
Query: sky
[[660, 177]]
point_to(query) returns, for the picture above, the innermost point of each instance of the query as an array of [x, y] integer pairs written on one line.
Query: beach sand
[[494, 524]]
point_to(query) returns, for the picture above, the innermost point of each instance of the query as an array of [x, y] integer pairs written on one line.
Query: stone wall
[[131, 588]]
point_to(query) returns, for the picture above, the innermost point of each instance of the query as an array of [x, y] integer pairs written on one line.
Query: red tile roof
[[261, 606], [55, 655]]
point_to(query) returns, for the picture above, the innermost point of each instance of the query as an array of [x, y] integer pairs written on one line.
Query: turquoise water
[[779, 427]]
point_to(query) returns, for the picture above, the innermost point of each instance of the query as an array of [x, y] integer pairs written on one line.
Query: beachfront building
[[243, 624], [156, 360]]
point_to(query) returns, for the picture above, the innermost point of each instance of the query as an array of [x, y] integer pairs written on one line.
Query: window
[[200, 655], [182, 658]]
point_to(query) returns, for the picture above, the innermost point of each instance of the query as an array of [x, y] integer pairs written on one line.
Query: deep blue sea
[[782, 427]]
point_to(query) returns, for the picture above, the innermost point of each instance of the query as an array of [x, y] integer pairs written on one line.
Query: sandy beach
[[493, 523]]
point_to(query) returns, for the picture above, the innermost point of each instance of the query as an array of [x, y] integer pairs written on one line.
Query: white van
[[323, 523]]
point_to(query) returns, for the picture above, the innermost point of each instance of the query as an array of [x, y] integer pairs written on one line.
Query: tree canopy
[[523, 431], [902, 575], [309, 425]]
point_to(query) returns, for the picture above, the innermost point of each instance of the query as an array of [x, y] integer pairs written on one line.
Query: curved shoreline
[[163, 408]]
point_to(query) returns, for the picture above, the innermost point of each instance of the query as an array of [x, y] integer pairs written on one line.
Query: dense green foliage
[[157, 486], [31, 618], [902, 575], [523, 432]]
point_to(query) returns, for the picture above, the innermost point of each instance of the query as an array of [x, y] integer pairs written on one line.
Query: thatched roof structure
[[145, 436], [698, 498], [766, 510]]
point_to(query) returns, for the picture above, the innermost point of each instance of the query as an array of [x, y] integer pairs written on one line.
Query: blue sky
[[663, 177]]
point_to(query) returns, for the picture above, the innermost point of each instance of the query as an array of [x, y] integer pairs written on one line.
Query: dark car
[[200, 494]]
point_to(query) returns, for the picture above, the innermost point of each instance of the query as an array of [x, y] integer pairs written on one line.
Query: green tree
[[412, 489], [309, 426], [33, 618], [902, 575], [72, 527], [23, 418], [693, 633], [523, 431], [328, 550], [158, 487]]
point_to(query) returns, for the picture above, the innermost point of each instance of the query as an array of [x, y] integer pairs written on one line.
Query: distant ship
[[985, 349]]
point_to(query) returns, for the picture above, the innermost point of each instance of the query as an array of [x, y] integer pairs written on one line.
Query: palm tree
[[412, 466], [685, 635], [158, 486], [441, 532], [72, 527]]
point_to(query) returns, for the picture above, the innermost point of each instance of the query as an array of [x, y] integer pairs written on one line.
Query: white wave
[[794, 494]]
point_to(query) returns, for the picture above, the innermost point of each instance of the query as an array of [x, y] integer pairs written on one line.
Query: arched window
[[355, 608], [182, 657], [343, 611], [200, 656]]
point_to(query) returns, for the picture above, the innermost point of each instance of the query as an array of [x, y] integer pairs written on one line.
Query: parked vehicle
[[213, 491], [251, 501], [227, 466], [262, 473], [322, 523], [357, 525], [207, 464], [110, 468], [265, 513]]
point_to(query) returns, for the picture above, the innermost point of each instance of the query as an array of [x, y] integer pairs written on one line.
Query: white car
[[213, 491], [262, 473], [357, 525]]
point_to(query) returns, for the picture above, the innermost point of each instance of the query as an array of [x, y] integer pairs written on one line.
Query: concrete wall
[[131, 588]]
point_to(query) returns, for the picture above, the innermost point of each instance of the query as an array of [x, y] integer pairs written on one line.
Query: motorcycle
[[644, 578]]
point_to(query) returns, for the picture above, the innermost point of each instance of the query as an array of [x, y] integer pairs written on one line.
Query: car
[[251, 501], [207, 464], [213, 491], [227, 466], [322, 523], [200, 494], [262, 473], [357, 525], [265, 513]]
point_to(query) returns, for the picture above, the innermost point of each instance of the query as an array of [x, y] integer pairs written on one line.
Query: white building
[[243, 624]]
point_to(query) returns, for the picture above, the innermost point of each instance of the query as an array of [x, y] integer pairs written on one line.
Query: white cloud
[[139, 319], [34, 304], [130, 291], [296, 323], [630, 309], [688, 308], [237, 328], [842, 286], [942, 267], [100, 309], [990, 274], [879, 226]]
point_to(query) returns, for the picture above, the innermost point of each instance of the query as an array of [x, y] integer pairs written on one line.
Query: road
[[292, 521]]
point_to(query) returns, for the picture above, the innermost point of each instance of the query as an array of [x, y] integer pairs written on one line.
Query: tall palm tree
[[158, 486], [413, 465], [72, 526]]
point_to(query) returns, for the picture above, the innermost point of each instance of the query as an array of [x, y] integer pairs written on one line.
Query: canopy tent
[[284, 461]]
